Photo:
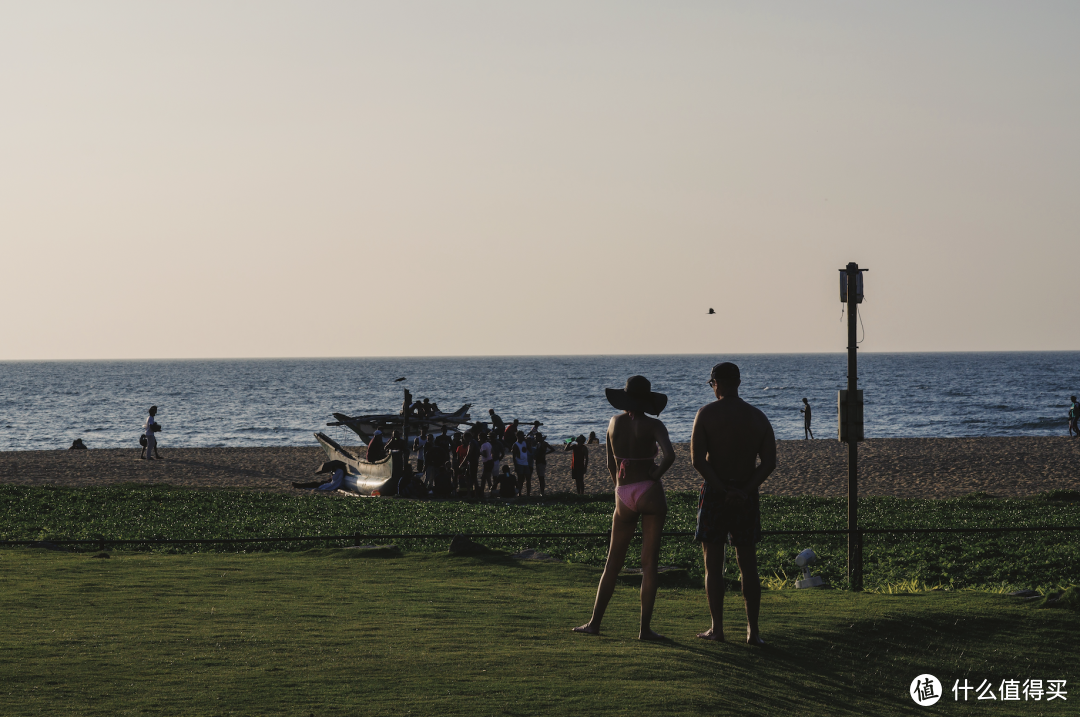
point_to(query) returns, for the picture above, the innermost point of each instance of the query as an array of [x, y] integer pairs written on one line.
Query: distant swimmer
[[399, 379], [1074, 414], [805, 411]]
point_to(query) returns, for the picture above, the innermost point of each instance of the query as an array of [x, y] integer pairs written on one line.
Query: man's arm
[[767, 453], [699, 448]]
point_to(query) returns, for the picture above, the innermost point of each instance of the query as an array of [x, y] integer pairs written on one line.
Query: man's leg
[[622, 531], [714, 589], [751, 590], [579, 481], [541, 472]]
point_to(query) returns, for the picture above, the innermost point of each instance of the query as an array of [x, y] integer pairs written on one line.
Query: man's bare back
[[729, 436]]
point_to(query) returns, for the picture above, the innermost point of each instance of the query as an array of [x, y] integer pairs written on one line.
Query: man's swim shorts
[[720, 518]]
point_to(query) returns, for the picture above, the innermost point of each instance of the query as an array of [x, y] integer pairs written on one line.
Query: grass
[[1042, 561], [338, 632]]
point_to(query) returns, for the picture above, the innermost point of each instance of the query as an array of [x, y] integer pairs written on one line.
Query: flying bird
[[712, 311]]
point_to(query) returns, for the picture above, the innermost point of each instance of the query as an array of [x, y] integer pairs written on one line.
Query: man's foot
[[650, 635], [755, 641], [587, 629], [712, 635]]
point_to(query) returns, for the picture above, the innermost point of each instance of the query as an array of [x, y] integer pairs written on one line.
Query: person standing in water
[[805, 411], [728, 438], [633, 439]]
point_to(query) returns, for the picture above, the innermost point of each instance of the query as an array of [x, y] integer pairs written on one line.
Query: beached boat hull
[[365, 426], [362, 477]]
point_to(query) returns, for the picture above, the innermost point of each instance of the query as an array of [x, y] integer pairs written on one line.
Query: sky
[[304, 179]]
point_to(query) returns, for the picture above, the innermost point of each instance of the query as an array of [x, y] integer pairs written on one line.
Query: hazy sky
[[245, 179]]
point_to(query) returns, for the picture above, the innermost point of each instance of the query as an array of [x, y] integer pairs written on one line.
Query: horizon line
[[529, 356]]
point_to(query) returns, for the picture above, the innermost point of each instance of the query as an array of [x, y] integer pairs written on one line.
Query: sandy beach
[[901, 467]]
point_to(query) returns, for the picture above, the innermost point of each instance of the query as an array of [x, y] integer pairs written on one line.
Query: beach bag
[[142, 440]]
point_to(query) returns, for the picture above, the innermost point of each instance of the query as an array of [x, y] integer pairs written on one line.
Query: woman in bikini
[[632, 445]]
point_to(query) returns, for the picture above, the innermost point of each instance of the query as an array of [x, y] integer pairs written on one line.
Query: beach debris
[[464, 545], [1024, 594], [530, 554]]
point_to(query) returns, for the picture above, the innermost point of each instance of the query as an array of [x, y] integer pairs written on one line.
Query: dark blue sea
[[281, 402]]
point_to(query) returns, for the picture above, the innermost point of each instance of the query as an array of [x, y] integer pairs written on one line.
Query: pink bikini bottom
[[631, 494]]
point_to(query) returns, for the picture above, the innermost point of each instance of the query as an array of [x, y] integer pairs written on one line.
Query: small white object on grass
[[804, 560]]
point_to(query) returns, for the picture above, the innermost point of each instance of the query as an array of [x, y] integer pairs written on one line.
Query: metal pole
[[854, 537]]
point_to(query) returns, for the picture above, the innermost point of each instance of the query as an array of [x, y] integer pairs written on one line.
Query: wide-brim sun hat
[[637, 396]]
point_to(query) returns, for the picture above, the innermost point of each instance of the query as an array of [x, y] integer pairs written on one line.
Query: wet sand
[[901, 467]]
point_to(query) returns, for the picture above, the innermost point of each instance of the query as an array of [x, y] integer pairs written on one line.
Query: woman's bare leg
[[622, 530], [652, 529]]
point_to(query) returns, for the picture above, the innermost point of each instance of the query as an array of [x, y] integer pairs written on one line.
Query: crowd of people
[[499, 461]]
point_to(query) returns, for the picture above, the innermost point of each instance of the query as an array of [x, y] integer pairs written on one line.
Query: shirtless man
[[728, 438]]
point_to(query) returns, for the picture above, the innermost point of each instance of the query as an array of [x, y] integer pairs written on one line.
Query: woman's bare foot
[[650, 635], [711, 634], [755, 641], [588, 629]]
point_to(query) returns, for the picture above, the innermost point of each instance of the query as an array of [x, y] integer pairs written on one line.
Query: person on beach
[[487, 459], [419, 443], [540, 460], [1074, 414], [593, 440], [375, 450], [632, 441], [805, 410], [521, 463], [510, 432], [534, 430], [728, 438], [506, 484], [77, 445], [496, 422], [150, 430], [579, 462]]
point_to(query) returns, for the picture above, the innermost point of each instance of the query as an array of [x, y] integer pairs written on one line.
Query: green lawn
[[338, 632], [1014, 560]]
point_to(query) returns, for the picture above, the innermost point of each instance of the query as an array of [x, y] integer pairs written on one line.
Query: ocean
[[281, 402]]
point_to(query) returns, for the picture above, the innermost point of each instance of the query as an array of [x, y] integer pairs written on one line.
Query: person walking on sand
[[1074, 415], [728, 438], [579, 462], [805, 410], [632, 441], [150, 430], [521, 463]]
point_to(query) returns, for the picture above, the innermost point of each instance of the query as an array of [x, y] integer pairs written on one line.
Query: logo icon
[[925, 690]]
